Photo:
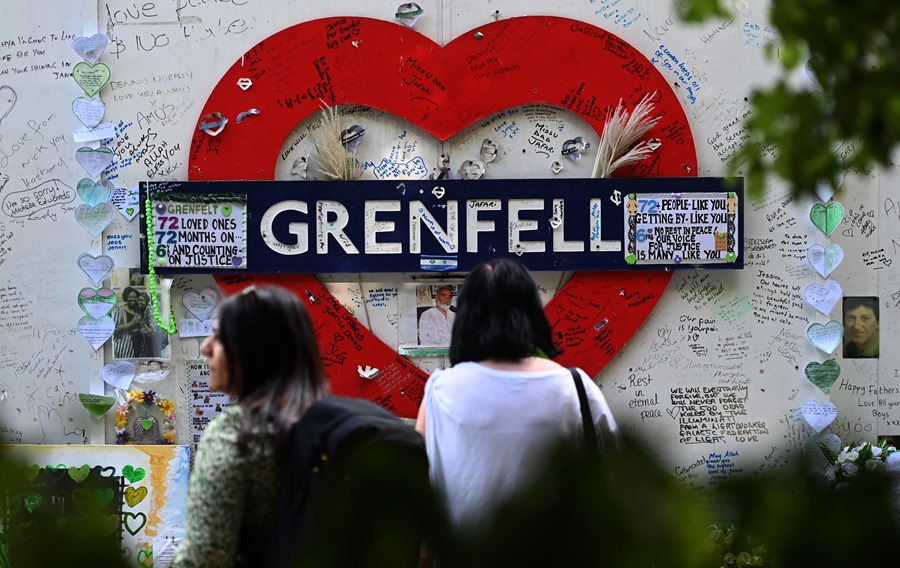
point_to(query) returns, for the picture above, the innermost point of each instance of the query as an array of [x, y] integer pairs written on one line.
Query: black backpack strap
[[587, 421]]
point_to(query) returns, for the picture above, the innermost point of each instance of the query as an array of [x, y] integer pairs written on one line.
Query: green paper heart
[[827, 218], [133, 475], [31, 472], [79, 474], [97, 302], [630, 259], [32, 501], [823, 375], [226, 210], [97, 405], [57, 472], [91, 78], [147, 423], [128, 522]]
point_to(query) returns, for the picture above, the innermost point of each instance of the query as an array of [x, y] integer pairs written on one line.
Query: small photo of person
[[436, 317], [861, 327]]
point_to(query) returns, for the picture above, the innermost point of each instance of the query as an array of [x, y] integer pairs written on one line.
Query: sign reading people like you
[[443, 225]]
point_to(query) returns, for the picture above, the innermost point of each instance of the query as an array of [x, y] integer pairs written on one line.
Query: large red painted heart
[[532, 59]]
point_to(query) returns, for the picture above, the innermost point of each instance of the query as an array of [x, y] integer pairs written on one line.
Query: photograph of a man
[[436, 324], [861, 327]]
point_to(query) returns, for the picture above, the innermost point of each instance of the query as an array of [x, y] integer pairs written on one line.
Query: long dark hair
[[499, 315], [274, 367]]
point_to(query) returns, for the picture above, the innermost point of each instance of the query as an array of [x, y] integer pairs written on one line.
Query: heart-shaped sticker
[[823, 375], [226, 210], [438, 191], [96, 404], [95, 219], [134, 495], [200, 304], [133, 474], [94, 160], [825, 337], [408, 14], [96, 267], [119, 375], [89, 111], [125, 200], [819, 416], [825, 259], [8, 99], [823, 297], [213, 123], [94, 192], [90, 48], [827, 217], [91, 78], [97, 302], [96, 331]]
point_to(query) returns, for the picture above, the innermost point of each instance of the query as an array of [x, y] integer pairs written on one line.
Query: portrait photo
[[861, 327], [137, 334]]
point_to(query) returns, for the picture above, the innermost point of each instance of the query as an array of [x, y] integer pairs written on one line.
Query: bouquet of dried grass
[[619, 142], [333, 162]]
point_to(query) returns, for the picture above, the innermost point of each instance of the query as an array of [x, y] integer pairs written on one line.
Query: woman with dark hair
[[128, 338], [263, 351], [489, 420]]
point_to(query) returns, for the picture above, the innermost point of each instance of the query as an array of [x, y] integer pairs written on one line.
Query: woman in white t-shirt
[[489, 420]]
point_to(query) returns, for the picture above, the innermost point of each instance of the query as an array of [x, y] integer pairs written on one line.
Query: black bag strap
[[587, 421]]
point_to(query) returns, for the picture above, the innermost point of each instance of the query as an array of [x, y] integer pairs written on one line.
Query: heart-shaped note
[[91, 78], [97, 302], [823, 297], [89, 111], [96, 331], [823, 375], [213, 123], [119, 375], [95, 219], [132, 474], [94, 192], [825, 337], [134, 495], [819, 416], [827, 217], [825, 259], [94, 160], [8, 99], [96, 267], [200, 304], [96, 404], [126, 201], [90, 48]]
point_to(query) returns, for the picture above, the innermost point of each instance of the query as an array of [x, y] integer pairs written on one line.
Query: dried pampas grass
[[332, 161], [619, 144]]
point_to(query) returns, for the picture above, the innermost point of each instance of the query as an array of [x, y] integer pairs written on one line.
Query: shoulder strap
[[587, 421]]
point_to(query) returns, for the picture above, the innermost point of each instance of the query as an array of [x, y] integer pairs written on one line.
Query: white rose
[[850, 469], [874, 464], [876, 452], [848, 455]]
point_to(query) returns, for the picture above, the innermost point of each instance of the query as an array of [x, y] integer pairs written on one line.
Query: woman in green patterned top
[[263, 350]]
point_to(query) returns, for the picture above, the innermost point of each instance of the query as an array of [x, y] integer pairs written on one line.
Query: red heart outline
[[531, 59]]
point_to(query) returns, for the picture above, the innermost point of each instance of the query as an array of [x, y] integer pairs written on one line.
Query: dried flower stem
[[619, 142], [334, 161]]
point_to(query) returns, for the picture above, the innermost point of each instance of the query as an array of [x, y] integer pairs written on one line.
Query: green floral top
[[227, 489]]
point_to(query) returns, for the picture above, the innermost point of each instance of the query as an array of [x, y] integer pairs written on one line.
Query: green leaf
[[829, 454]]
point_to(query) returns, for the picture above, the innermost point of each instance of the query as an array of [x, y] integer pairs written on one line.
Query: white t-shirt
[[487, 431], [435, 328]]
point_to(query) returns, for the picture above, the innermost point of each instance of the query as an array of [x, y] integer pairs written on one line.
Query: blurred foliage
[[850, 50]]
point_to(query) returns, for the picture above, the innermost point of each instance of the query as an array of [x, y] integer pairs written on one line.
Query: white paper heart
[[94, 192], [823, 297], [89, 111], [200, 304], [96, 267], [94, 160], [825, 259], [96, 331], [825, 337], [126, 201], [90, 48], [94, 218], [119, 375], [819, 416]]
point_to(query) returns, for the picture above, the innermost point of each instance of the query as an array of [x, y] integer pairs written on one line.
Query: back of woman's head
[[499, 315], [274, 366]]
